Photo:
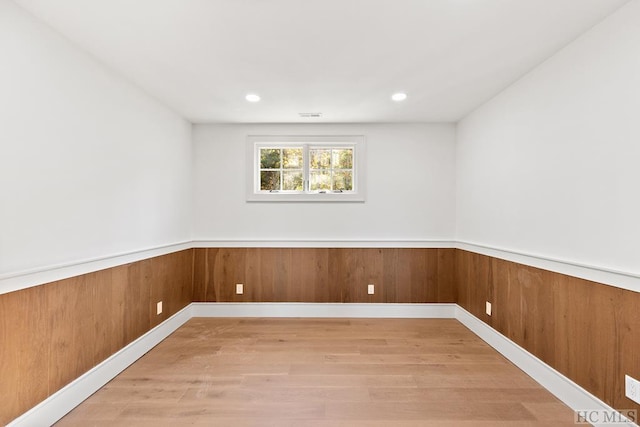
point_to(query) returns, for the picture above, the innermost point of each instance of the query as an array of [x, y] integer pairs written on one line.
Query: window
[[305, 168], [281, 169]]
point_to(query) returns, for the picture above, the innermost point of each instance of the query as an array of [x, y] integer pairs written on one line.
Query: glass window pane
[[269, 158], [269, 180], [320, 159], [320, 180], [292, 158], [343, 180], [292, 180], [342, 158]]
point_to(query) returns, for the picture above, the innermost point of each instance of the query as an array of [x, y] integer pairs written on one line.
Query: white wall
[[89, 165], [418, 155], [551, 166]]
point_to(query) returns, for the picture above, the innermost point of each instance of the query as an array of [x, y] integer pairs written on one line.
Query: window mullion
[[306, 184], [331, 183]]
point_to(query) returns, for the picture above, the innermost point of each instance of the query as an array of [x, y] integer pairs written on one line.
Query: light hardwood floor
[[322, 372]]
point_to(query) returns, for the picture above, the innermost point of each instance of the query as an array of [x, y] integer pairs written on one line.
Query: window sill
[[307, 197]]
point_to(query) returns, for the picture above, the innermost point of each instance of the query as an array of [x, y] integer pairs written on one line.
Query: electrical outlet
[[370, 289], [632, 388], [239, 288], [488, 308], [159, 308]]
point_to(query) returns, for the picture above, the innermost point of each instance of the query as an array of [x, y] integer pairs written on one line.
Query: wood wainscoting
[[325, 275], [587, 331], [53, 333]]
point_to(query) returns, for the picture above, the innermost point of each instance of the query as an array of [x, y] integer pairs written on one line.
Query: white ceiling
[[343, 58]]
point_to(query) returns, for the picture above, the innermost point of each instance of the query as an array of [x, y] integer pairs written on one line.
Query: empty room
[[329, 213]]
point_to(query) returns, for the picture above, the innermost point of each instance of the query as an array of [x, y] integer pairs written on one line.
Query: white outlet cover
[[239, 288], [632, 388], [370, 289], [488, 308], [159, 308]]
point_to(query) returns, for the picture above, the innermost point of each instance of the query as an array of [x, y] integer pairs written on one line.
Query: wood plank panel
[[343, 264], [137, 309], [155, 278], [626, 336], [228, 267], [310, 276], [267, 274], [598, 312], [181, 283], [200, 274], [474, 276], [170, 281], [109, 309], [506, 293], [586, 330], [355, 269], [407, 275], [72, 337], [25, 327], [447, 289], [325, 275], [538, 314]]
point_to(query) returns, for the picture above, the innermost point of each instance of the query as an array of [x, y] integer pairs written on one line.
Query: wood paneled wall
[[588, 331], [324, 275], [52, 334]]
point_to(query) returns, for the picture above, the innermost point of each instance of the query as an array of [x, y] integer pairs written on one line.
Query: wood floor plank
[[331, 381], [322, 372], [429, 410], [419, 394], [278, 394]]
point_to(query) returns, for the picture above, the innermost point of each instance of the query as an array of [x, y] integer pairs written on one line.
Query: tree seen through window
[[326, 169]]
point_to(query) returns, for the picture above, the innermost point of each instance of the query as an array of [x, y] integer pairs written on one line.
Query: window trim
[[255, 142]]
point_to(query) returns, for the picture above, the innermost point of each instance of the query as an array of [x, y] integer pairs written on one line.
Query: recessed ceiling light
[[252, 97], [400, 96]]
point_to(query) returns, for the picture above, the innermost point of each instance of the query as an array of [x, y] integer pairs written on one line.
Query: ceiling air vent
[[309, 115]]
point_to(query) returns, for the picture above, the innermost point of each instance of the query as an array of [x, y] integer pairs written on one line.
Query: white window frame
[[255, 142]]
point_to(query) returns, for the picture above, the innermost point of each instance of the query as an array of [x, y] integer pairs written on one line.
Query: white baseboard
[[287, 309], [63, 401], [570, 393], [70, 396]]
